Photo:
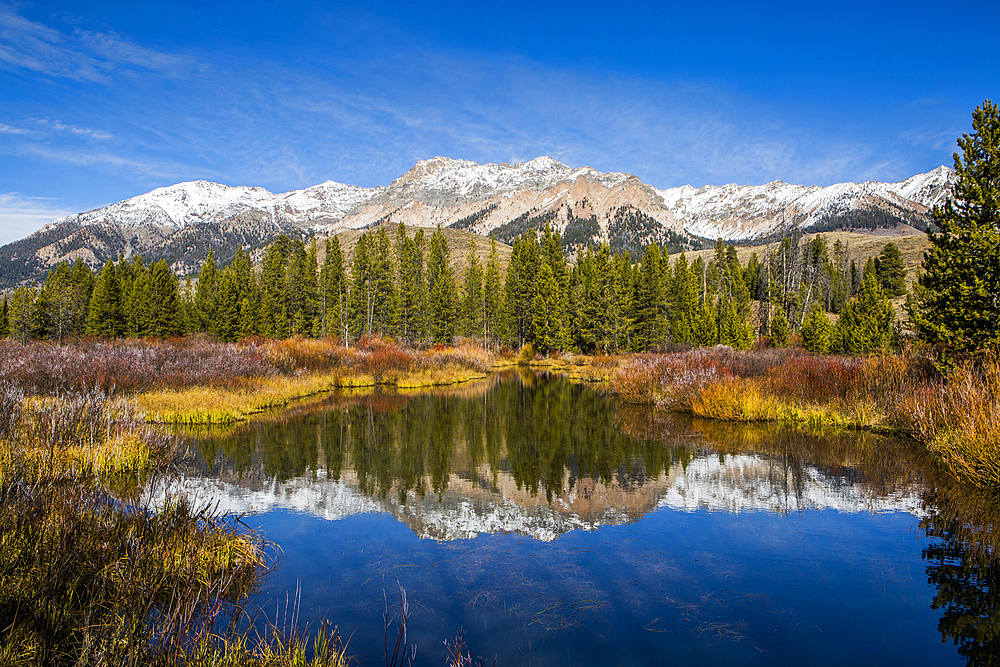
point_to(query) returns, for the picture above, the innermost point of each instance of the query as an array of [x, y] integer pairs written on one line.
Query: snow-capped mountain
[[182, 222], [735, 212]]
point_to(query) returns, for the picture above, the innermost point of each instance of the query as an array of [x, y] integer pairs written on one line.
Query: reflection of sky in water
[[816, 588], [667, 557]]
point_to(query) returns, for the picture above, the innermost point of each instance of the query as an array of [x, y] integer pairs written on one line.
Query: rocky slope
[[182, 222]]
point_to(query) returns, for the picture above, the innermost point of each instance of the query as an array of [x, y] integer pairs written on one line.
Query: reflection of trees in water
[[963, 566], [547, 434], [876, 465]]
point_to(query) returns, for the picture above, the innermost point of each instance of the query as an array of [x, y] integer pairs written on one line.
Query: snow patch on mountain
[[735, 212]]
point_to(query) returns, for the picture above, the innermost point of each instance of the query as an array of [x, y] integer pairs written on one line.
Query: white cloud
[[21, 216], [82, 55], [7, 129], [73, 129]]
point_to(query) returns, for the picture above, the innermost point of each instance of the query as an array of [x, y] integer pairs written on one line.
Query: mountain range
[[182, 222]]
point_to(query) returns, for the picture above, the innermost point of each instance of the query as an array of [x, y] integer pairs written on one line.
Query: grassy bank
[[199, 381], [93, 570], [957, 417]]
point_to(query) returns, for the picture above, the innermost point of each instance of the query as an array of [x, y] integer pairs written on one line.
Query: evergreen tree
[[334, 290], [60, 302], [248, 318], [866, 323], [104, 317], [492, 295], [267, 318], [21, 316], [960, 301], [683, 301], [733, 306], [705, 330], [519, 289], [205, 294], [4, 319], [473, 296], [545, 315], [226, 324], [621, 312], [779, 328], [646, 321], [138, 306], [166, 318], [551, 253], [294, 293], [410, 272], [362, 297], [816, 331], [891, 270], [82, 282], [441, 290]]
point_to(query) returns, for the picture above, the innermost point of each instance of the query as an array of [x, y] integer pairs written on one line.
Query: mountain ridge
[[181, 222]]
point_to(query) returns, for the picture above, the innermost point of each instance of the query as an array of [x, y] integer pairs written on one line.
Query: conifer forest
[[403, 286]]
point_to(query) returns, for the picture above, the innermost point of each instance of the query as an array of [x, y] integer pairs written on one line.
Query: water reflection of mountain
[[538, 459]]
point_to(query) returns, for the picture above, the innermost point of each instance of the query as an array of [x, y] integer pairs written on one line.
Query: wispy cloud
[[60, 126], [365, 119], [19, 131], [20, 216], [78, 54]]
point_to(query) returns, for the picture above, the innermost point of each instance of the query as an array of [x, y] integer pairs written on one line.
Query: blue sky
[[103, 101]]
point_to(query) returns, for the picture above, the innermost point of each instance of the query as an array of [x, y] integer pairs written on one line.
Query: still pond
[[557, 526]]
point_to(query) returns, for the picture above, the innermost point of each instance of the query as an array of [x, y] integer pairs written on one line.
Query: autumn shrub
[[958, 418], [605, 361], [468, 356], [127, 365], [814, 378]]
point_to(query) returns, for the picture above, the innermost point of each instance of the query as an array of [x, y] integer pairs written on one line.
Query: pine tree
[[779, 328], [441, 291], [492, 295], [139, 313], [226, 324], [267, 318], [21, 316], [545, 315], [519, 289], [891, 270], [60, 302], [551, 253], [622, 288], [960, 300], [705, 330], [646, 321], [683, 302], [83, 286], [362, 297], [166, 318], [410, 278], [104, 317], [205, 294], [816, 331], [248, 318], [334, 290], [473, 296], [866, 322], [4, 319]]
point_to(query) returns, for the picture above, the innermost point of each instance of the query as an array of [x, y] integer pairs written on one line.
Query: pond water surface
[[556, 526]]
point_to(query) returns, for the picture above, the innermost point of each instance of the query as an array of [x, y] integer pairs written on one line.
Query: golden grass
[[207, 405]]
